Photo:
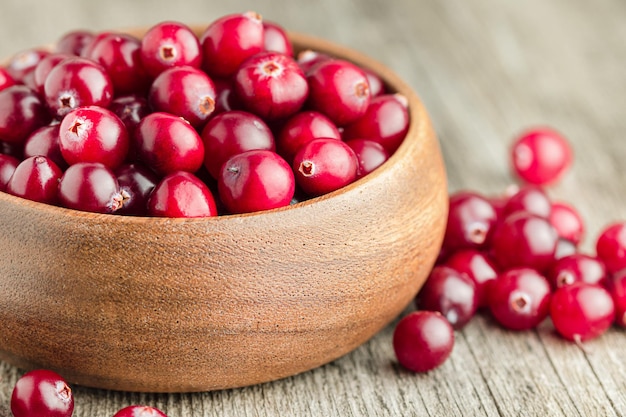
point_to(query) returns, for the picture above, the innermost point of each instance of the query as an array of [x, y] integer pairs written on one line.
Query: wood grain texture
[[485, 69]]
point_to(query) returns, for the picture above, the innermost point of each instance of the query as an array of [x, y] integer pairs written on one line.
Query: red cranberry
[[564, 248], [22, 64], [271, 85], [617, 288], [226, 99], [324, 165], [302, 128], [74, 42], [576, 268], [233, 132], [377, 86], [169, 44], [524, 240], [42, 392], [540, 156], [611, 246], [5, 79], [423, 340], [582, 311], [138, 182], [77, 82], [519, 299], [7, 167], [139, 411], [478, 267], [370, 154], [43, 68], [451, 293], [168, 143], [36, 178], [131, 109], [471, 220], [386, 121], [91, 186], [339, 89], [12, 149], [181, 194], [530, 198], [256, 180], [21, 113], [186, 92], [567, 222], [229, 41], [275, 39], [93, 134], [308, 59]]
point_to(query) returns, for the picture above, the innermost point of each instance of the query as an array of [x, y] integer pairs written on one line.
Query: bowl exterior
[[180, 305]]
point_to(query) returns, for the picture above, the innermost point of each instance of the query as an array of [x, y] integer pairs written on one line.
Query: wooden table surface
[[485, 69]]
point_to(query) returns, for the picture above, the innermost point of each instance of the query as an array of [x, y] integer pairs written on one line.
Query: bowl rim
[[301, 42]]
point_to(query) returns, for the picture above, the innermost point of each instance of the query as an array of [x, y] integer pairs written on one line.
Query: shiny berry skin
[[611, 246], [168, 143], [77, 82], [90, 186], [369, 153], [339, 89], [617, 289], [255, 180], [169, 44], [5, 79], [139, 411], [309, 58], [21, 113], [22, 64], [74, 42], [226, 99], [540, 156], [7, 167], [530, 198], [386, 121], [43, 68], [181, 194], [324, 165], [130, 109], [471, 221], [582, 311], [138, 182], [567, 222], [36, 178], [451, 293], [577, 267], [423, 340], [302, 128], [377, 86], [479, 267], [93, 134], [42, 392], [186, 92], [230, 40], [233, 132], [524, 240], [271, 85], [519, 298], [275, 39]]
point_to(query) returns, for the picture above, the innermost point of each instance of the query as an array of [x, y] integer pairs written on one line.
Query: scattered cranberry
[[181, 194], [370, 154], [471, 220], [540, 156], [169, 44], [36, 178], [611, 246], [91, 186], [42, 393], [617, 288], [478, 267], [302, 128], [567, 222], [21, 112], [577, 267], [529, 198], [139, 411]]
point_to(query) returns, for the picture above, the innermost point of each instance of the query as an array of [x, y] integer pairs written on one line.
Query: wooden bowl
[[182, 305]]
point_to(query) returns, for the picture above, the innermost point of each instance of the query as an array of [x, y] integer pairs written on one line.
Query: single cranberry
[[423, 340], [451, 293], [479, 267], [131, 109], [530, 198], [471, 220], [576, 268], [377, 86], [256, 180], [36, 178], [567, 222], [42, 392], [91, 186], [186, 92], [230, 40], [275, 39], [340, 90], [93, 134], [519, 299], [233, 132], [181, 194], [7, 167], [74, 42], [139, 411], [43, 68], [308, 58], [120, 55], [386, 121], [611, 246], [168, 143], [21, 113], [617, 288], [271, 85], [524, 240], [5, 79], [169, 44], [22, 64], [324, 165], [540, 156], [582, 311], [77, 82], [138, 182], [302, 128], [370, 154]]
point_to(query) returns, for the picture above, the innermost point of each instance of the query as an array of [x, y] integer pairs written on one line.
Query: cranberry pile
[[517, 257], [179, 125]]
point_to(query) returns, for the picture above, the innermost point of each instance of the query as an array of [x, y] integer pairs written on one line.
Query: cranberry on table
[[36, 178], [302, 128], [181, 194], [275, 39], [42, 392], [7, 167], [139, 411], [21, 112], [91, 186], [479, 267], [577, 267], [169, 44], [471, 221], [529, 198], [611, 246], [567, 222], [423, 340], [370, 154], [617, 288]]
